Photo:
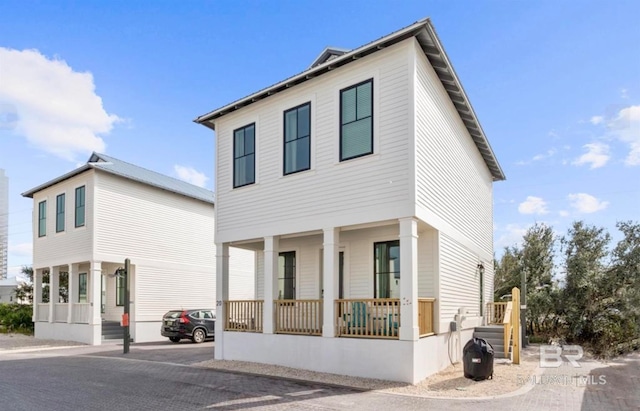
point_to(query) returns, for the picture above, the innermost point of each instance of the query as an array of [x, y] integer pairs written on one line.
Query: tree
[[24, 292], [537, 264], [507, 272]]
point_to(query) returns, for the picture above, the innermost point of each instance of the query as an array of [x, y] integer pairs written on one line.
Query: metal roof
[[424, 32], [130, 171]]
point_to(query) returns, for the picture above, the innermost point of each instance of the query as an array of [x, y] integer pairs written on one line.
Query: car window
[[207, 314], [195, 314], [173, 314]]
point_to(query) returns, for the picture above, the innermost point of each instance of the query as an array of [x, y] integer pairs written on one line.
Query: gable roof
[[426, 36], [132, 172], [327, 54]]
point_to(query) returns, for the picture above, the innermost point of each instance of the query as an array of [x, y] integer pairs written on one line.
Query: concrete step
[[111, 330], [493, 329], [488, 336]]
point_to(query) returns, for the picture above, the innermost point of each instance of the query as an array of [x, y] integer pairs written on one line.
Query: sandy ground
[[17, 341], [449, 382]]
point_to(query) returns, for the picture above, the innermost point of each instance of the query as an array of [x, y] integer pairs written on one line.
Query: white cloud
[[595, 120], [624, 93], [511, 235], [626, 128], [190, 175], [597, 155], [533, 205], [54, 107], [21, 249], [538, 157], [563, 213], [586, 204]]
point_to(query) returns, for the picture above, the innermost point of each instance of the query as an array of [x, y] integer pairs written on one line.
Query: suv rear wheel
[[174, 339], [198, 335]]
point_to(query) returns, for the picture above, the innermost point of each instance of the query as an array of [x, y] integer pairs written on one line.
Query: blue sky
[[556, 86]]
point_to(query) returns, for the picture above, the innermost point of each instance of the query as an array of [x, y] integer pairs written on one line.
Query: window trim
[[83, 206], [375, 274], [42, 218], [60, 212], [233, 136], [284, 139], [340, 125]]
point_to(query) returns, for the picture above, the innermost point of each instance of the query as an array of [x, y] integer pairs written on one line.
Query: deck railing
[[81, 313], [244, 315], [60, 312], [425, 316], [298, 317], [368, 318], [42, 312], [508, 328], [495, 312]]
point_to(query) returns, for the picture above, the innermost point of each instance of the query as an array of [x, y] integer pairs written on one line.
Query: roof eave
[[72, 173]]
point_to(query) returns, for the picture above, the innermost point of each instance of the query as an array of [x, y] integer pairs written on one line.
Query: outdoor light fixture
[[123, 272], [480, 268]]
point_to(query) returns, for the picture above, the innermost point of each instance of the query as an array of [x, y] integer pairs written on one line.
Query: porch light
[[480, 268]]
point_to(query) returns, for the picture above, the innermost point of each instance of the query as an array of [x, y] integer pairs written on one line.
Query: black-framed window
[[80, 201], [120, 284], [60, 213], [82, 287], [297, 139], [244, 157], [356, 120], [287, 275], [42, 218], [386, 278]]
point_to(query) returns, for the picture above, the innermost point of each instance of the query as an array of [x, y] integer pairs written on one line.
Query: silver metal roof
[[424, 32], [130, 171]]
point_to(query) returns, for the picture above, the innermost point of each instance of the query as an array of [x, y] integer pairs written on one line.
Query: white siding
[[169, 239], [73, 244], [459, 280], [332, 193], [241, 274], [427, 263], [358, 269], [453, 182]]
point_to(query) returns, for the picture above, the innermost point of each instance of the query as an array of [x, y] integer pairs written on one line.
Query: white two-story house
[[364, 184], [88, 221]]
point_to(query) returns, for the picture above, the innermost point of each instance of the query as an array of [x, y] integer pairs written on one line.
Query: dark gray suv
[[196, 325]]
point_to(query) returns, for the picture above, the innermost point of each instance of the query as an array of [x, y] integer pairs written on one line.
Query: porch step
[[494, 335], [111, 330]]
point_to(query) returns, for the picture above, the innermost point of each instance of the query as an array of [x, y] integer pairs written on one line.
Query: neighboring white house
[[8, 288], [365, 185], [88, 221]]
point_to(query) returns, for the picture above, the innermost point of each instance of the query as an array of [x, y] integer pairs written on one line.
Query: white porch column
[[271, 249], [54, 293], [36, 291], [95, 285], [330, 258], [73, 290], [409, 280], [222, 295]]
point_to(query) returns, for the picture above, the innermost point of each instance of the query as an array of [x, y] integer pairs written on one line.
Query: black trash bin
[[477, 358]]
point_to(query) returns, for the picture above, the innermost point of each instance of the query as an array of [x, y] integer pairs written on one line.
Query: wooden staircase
[[494, 335]]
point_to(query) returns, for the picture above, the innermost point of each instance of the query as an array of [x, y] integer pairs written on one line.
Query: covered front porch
[[72, 300], [374, 282]]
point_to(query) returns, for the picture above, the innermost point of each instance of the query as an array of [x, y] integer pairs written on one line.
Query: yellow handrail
[[506, 322]]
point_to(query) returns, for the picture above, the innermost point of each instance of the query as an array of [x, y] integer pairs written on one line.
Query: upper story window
[[244, 157], [60, 213], [42, 218], [297, 139], [356, 120], [80, 200]]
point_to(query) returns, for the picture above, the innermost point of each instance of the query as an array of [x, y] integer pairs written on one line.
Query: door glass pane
[[287, 275], [387, 269]]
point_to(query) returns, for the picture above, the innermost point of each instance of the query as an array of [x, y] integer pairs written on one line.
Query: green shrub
[[16, 318]]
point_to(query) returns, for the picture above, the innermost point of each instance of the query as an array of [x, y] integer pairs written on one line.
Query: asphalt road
[[161, 377]]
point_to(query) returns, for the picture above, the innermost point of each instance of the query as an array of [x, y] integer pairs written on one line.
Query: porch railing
[[425, 316], [81, 313], [368, 318], [508, 328], [60, 312], [298, 317], [42, 312], [244, 315], [495, 312]]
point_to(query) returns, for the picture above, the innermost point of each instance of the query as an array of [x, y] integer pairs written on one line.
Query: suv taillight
[[183, 318]]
